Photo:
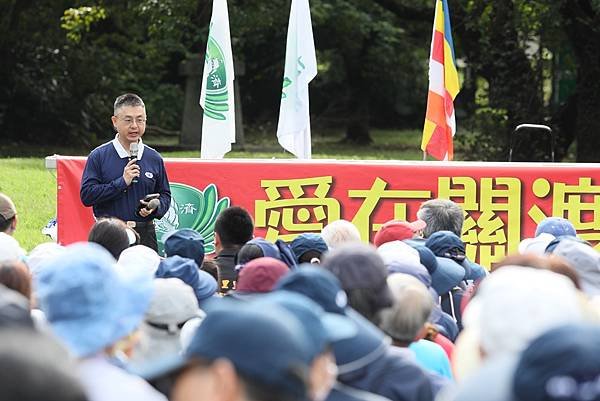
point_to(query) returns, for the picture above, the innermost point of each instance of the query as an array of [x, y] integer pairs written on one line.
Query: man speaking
[[124, 178]]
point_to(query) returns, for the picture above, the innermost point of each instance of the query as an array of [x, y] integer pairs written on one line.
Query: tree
[[581, 20]]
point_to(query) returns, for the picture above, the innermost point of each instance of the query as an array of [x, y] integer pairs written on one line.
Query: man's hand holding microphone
[[132, 171]]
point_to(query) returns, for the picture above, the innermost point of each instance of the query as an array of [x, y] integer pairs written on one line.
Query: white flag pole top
[[293, 130], [217, 97]]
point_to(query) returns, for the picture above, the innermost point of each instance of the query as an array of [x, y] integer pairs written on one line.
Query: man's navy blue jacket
[[103, 186]]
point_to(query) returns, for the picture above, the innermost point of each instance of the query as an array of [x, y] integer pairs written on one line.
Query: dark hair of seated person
[[15, 275], [309, 256], [249, 252], [211, 267], [111, 233]]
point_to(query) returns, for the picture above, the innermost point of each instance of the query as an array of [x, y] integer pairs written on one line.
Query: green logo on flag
[[216, 82], [191, 208], [286, 82]]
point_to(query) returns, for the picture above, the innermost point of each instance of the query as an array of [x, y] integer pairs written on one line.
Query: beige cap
[[7, 207]]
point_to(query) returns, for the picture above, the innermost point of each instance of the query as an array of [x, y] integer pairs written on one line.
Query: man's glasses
[[130, 121]]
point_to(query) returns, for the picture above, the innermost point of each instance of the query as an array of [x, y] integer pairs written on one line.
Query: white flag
[[217, 99], [293, 131]]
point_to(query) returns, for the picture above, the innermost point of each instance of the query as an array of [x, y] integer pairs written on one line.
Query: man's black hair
[[234, 226], [249, 252], [5, 224]]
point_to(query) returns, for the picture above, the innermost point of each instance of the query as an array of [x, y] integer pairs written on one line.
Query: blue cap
[[89, 301], [321, 328], [446, 244], [561, 364], [268, 249], [323, 287], [473, 270], [427, 257], [445, 273], [186, 243], [317, 284], [265, 344], [416, 270], [308, 242], [203, 284], [447, 276], [556, 226]]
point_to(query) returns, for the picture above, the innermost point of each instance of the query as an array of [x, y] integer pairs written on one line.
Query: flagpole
[[424, 156]]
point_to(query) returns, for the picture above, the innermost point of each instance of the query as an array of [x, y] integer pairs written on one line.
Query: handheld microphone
[[153, 204], [133, 150]]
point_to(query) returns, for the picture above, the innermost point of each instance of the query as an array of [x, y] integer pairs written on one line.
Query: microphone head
[[133, 149], [153, 204]]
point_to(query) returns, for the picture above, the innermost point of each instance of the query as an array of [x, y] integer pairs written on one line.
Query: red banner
[[503, 202]]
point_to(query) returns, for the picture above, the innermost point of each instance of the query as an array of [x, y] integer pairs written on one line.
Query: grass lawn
[[33, 188]]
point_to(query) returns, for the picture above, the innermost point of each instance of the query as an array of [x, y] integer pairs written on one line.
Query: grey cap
[[173, 303], [585, 260]]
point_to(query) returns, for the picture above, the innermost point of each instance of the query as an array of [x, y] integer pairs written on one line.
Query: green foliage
[[64, 62], [76, 21]]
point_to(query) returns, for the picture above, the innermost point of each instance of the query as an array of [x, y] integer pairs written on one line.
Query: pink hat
[[260, 275], [397, 230]]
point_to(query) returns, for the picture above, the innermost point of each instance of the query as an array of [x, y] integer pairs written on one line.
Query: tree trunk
[[357, 131]]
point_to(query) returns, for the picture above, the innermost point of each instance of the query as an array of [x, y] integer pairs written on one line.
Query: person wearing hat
[[203, 284], [173, 304], [35, 367], [258, 276], [584, 259], [556, 226], [400, 257], [513, 306], [8, 215], [186, 243], [398, 230], [322, 329], [93, 306], [362, 273], [536, 245], [257, 248], [233, 228], [269, 364], [140, 256], [562, 364], [449, 246], [365, 361], [10, 248], [309, 248], [407, 322]]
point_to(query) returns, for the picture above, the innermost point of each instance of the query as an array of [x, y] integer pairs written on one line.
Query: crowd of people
[[323, 317]]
